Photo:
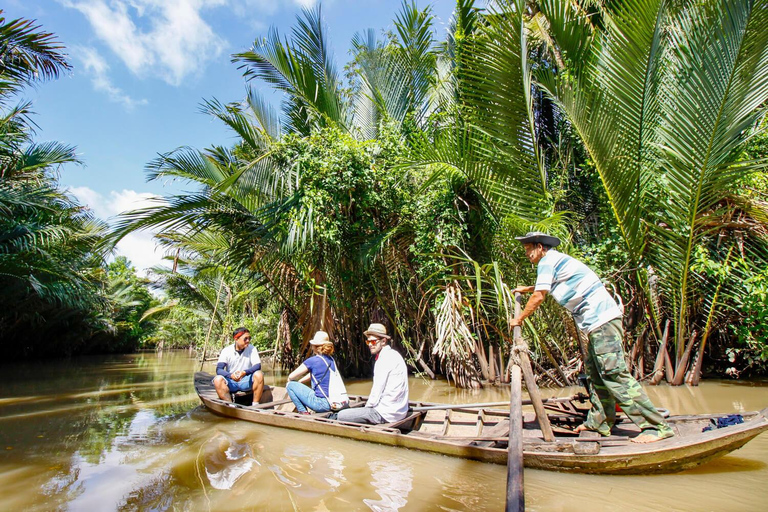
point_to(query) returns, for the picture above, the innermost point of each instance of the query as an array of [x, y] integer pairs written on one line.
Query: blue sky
[[141, 68]]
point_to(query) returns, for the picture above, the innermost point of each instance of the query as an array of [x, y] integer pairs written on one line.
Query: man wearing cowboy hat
[[577, 288], [388, 400]]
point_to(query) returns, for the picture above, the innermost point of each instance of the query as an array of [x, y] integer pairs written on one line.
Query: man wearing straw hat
[[577, 288], [388, 400]]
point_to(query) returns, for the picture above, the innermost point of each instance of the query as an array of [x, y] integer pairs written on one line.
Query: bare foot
[[581, 428]]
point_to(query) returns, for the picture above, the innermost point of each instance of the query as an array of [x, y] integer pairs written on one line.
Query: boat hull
[[462, 435]]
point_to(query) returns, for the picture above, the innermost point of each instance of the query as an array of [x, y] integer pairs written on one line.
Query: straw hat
[[321, 338], [377, 330], [537, 237]]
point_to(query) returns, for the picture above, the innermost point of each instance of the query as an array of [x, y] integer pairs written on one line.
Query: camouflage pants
[[611, 383]]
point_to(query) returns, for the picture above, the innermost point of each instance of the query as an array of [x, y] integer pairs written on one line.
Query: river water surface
[[128, 433]]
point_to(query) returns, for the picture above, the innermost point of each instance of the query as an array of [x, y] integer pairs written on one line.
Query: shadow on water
[[728, 464]]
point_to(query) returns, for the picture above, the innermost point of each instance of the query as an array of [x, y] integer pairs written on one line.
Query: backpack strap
[[317, 382]]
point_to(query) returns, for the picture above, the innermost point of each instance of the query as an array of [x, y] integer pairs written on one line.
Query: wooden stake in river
[[522, 365]]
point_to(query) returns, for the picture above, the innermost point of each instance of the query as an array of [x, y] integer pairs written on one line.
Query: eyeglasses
[[372, 341], [247, 338]]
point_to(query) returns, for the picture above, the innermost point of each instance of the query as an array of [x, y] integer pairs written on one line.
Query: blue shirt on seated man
[[239, 368]]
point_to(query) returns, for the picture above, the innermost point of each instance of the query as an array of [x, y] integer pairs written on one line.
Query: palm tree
[[49, 269], [664, 96]]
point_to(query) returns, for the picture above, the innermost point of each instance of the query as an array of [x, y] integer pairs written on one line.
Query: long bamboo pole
[[515, 463]]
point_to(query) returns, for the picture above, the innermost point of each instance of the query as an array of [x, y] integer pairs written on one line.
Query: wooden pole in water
[[515, 491], [515, 463]]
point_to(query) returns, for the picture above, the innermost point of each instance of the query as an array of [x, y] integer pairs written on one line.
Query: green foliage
[[130, 299], [617, 126], [58, 299], [752, 328], [347, 187]]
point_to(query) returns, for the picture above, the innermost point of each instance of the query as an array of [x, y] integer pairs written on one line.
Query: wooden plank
[[515, 463], [480, 422], [447, 422]]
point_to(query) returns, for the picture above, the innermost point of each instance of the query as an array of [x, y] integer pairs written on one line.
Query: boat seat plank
[[500, 429], [447, 422]]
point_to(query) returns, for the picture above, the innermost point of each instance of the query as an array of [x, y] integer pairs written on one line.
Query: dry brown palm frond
[[455, 343], [283, 349]]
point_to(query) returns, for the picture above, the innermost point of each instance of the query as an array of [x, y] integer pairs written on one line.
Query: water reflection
[[393, 482], [226, 460], [310, 470]]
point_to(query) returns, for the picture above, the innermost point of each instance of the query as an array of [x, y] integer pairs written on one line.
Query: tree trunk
[[696, 377], [682, 366], [658, 368], [669, 372]]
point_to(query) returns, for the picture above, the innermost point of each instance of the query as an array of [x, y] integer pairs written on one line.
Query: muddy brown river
[[128, 433]]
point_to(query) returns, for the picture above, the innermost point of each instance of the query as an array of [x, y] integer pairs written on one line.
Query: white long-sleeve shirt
[[389, 394]]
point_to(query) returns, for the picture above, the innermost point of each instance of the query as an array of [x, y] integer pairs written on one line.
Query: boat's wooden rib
[[479, 433]]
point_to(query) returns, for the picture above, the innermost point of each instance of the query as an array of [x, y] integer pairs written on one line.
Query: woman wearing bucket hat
[[388, 400], [577, 288], [320, 370]]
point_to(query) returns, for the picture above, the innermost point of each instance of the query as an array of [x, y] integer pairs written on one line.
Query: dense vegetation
[[392, 191], [59, 296]]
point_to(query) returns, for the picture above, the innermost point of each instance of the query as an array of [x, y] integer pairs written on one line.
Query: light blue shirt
[[577, 288]]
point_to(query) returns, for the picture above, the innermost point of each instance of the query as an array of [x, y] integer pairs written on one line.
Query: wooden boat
[[480, 432]]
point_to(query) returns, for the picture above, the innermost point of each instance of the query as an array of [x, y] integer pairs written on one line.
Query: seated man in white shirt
[[388, 400], [239, 368]]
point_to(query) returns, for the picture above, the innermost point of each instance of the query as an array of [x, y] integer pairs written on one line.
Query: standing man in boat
[[577, 288], [239, 368], [388, 400]]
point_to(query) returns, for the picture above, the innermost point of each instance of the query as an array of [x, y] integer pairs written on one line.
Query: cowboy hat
[[377, 330], [537, 237], [321, 338]]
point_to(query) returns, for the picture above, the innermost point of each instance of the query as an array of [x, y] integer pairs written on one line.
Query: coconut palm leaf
[[494, 140], [417, 55], [233, 116], [265, 114], [720, 57], [27, 54], [610, 97], [382, 85], [303, 68]]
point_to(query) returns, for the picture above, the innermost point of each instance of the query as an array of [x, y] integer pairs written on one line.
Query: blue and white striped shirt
[[577, 288]]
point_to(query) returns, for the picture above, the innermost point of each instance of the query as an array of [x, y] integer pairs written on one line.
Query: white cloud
[[98, 68], [139, 247], [168, 38]]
